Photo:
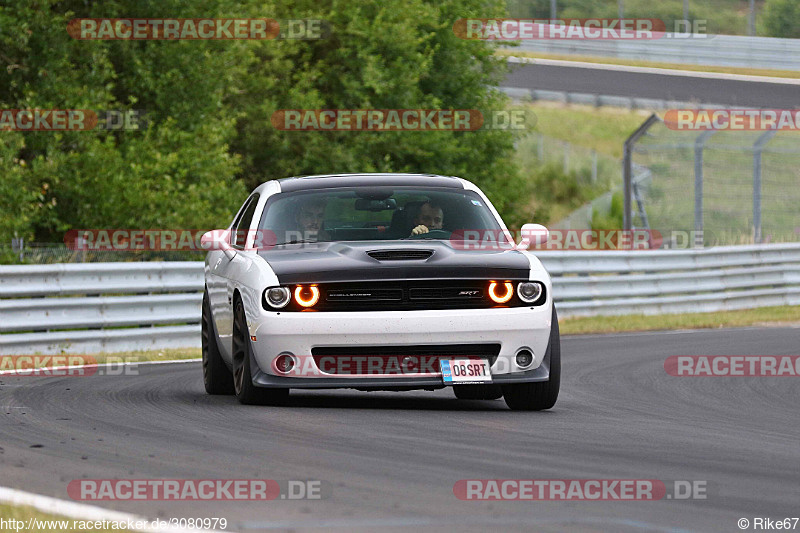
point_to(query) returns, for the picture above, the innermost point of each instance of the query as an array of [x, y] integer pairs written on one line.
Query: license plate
[[465, 371]]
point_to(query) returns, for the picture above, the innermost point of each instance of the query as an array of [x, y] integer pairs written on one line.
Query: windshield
[[375, 213]]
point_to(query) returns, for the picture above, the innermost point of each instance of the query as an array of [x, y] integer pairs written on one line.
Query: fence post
[[18, 245], [699, 144], [627, 168], [540, 148], [594, 166], [758, 147]]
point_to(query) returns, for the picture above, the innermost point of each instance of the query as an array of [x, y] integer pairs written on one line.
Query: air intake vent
[[400, 255]]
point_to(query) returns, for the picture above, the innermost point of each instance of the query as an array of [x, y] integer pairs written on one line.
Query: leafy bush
[[781, 18], [210, 102], [614, 218]]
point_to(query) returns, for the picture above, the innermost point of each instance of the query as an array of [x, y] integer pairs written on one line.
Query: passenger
[[310, 218]]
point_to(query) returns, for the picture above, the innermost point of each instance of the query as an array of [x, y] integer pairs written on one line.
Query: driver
[[429, 217]]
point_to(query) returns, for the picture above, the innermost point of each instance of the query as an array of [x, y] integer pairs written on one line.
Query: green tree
[[382, 54], [210, 102], [177, 173], [781, 18]]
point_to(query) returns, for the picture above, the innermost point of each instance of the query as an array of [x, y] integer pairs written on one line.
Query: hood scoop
[[400, 255]]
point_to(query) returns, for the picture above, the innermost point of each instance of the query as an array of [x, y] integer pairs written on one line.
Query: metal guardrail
[[716, 50], [674, 281], [99, 307], [603, 100], [113, 307]]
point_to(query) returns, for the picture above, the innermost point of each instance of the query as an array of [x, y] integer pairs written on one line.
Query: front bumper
[[297, 333]]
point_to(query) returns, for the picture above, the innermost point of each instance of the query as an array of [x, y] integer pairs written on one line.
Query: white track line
[[653, 70], [82, 511], [27, 372]]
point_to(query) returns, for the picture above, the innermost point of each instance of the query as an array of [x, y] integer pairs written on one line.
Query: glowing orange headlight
[[501, 298], [302, 297]]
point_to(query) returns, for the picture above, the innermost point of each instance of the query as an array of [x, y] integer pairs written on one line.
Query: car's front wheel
[[539, 395], [245, 391], [216, 376]]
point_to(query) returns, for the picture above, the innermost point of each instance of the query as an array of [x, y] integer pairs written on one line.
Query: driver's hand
[[419, 230]]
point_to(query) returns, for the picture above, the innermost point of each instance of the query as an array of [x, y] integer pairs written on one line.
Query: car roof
[[328, 181]]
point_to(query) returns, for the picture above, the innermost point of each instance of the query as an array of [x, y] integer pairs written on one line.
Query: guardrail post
[[758, 148]]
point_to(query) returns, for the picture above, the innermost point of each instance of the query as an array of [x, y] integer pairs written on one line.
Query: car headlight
[[530, 291], [277, 297], [501, 292], [306, 296]]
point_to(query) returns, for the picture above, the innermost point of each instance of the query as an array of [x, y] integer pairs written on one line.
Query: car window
[[374, 213], [241, 227]]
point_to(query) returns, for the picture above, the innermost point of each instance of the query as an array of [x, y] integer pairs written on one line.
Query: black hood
[[349, 261]]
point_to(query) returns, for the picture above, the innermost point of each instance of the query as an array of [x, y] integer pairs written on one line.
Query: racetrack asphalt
[[615, 81], [390, 459]]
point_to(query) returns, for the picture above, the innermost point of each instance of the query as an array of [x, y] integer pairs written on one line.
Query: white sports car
[[377, 282]]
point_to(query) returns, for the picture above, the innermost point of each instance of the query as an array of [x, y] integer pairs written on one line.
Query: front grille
[[395, 360], [363, 295], [400, 255], [405, 295]]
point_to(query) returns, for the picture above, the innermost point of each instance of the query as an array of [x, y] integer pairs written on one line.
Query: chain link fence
[[729, 187], [598, 173], [589, 165]]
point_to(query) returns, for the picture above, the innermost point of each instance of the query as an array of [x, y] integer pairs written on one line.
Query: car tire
[[542, 395], [478, 392], [245, 391], [216, 376]]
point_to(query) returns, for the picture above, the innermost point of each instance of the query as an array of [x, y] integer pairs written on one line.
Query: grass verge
[[793, 74], [51, 522], [32, 361], [603, 129], [170, 354], [763, 316]]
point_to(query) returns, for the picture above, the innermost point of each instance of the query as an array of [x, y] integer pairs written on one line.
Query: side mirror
[[218, 240], [532, 234]]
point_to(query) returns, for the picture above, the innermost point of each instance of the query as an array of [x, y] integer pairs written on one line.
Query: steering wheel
[[433, 234]]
